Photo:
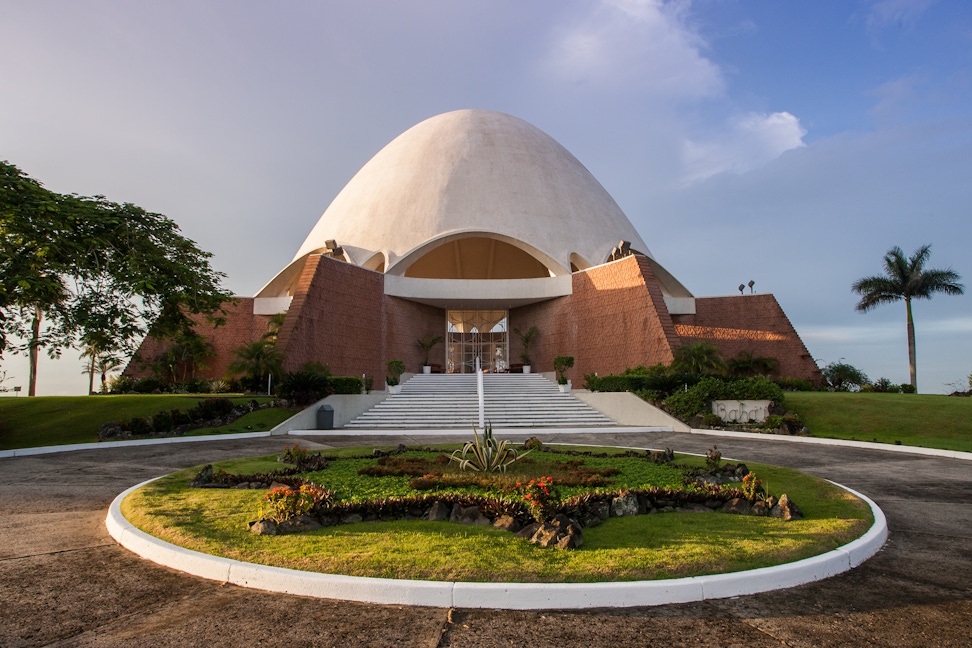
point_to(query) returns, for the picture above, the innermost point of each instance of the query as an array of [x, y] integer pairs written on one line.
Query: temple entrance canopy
[[472, 334]]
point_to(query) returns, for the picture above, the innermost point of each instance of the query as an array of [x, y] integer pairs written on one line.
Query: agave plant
[[487, 454]]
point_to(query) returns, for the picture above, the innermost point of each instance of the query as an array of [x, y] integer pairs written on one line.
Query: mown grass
[[646, 547], [926, 420], [57, 420]]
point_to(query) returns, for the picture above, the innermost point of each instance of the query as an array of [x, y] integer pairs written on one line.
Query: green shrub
[[139, 426], [695, 400], [162, 422], [907, 388], [711, 420], [303, 387], [345, 385], [147, 385], [120, 385], [795, 384], [212, 408], [884, 385], [488, 454], [649, 395], [395, 370], [772, 422]]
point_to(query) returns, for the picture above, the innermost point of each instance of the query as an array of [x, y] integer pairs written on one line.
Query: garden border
[[508, 596]]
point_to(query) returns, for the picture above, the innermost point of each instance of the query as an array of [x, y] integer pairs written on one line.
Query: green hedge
[[661, 383], [345, 384], [695, 400]]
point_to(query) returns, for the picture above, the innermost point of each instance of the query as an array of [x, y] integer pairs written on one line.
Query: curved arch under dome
[[473, 170]]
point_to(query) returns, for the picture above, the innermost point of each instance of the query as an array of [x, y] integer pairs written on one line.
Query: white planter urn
[[392, 389], [426, 369], [564, 389], [527, 368]]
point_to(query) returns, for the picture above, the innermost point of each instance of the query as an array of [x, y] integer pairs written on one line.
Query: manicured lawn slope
[[55, 420], [927, 420]]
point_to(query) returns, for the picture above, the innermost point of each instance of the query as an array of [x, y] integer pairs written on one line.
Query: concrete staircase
[[433, 401]]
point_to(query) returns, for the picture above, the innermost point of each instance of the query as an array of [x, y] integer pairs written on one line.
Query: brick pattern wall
[[753, 323], [242, 327], [616, 318], [336, 318], [405, 322]]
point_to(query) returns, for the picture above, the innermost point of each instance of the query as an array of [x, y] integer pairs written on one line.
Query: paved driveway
[[64, 582]]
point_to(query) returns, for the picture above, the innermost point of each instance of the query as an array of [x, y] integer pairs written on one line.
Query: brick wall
[[616, 318], [241, 328], [335, 318], [752, 323]]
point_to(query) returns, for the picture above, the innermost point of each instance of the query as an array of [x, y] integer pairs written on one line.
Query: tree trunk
[[911, 346], [32, 352], [91, 373]]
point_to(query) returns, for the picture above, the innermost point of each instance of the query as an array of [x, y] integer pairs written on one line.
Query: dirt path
[[64, 582]]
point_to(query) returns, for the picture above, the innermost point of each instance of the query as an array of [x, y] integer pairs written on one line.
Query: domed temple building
[[468, 226]]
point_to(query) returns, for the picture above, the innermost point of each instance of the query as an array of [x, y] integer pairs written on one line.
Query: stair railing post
[[479, 392]]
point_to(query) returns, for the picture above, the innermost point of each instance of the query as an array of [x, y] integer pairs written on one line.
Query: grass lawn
[[645, 547], [56, 420], [927, 420]]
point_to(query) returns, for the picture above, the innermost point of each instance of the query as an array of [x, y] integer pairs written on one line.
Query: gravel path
[[64, 582]]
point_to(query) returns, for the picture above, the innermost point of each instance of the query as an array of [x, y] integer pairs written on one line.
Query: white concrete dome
[[472, 195]]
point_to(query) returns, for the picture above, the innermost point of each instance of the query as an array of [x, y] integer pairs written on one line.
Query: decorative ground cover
[[636, 547]]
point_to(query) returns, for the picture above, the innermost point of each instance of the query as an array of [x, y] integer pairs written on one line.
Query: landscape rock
[[760, 508], [527, 532], [440, 512], [692, 507], [786, 509], [737, 505], [353, 518], [624, 505], [600, 509], [263, 527], [507, 523], [298, 524], [469, 515]]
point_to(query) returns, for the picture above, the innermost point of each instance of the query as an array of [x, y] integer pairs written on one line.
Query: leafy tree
[[698, 359], [844, 377], [906, 279], [180, 361], [94, 269]]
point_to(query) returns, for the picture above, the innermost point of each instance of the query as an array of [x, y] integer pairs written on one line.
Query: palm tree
[[699, 358], [256, 360], [906, 279]]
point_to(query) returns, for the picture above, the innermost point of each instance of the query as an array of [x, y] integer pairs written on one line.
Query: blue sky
[[791, 143]]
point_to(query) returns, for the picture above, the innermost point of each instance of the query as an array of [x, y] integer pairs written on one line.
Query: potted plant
[[526, 339], [395, 370], [561, 365], [426, 342]]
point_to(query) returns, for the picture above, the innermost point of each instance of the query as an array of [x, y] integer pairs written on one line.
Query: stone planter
[[564, 389], [527, 368], [392, 389], [426, 369]]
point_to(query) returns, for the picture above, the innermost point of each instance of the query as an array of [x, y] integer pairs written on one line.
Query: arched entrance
[[472, 334]]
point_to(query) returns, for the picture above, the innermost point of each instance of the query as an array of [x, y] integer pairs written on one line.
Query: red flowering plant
[[752, 487], [284, 502], [540, 497]]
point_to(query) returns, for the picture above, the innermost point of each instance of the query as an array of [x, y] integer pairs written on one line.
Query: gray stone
[[760, 508], [600, 509], [692, 507], [298, 524], [786, 509], [354, 518], [263, 527], [624, 505], [468, 515], [527, 532], [545, 536], [507, 523], [738, 505], [440, 512]]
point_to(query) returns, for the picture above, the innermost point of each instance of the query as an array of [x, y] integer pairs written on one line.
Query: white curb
[[503, 596], [26, 452], [847, 443]]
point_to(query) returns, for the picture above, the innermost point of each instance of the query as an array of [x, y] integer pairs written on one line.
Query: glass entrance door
[[472, 334]]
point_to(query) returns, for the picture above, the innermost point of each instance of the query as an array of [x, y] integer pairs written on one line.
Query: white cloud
[[642, 43], [747, 142], [901, 13]]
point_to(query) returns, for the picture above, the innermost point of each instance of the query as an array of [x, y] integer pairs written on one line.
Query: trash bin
[[325, 417]]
